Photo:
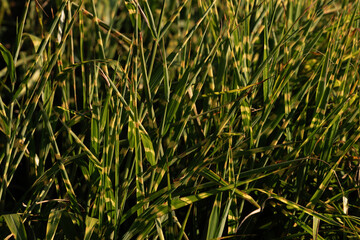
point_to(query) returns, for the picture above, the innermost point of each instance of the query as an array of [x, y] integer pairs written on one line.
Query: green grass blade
[[52, 224], [16, 226], [9, 62]]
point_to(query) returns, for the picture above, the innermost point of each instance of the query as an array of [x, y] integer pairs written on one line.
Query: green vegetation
[[192, 119]]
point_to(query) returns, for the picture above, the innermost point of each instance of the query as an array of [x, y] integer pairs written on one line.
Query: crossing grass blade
[[90, 226], [9, 62], [308, 211], [41, 49]]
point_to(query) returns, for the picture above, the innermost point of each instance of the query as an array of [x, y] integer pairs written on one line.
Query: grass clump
[[179, 119]]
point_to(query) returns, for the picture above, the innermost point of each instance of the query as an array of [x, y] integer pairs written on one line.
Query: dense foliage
[[192, 119]]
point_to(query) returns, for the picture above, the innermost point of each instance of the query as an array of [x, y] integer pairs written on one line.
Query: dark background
[[8, 18]]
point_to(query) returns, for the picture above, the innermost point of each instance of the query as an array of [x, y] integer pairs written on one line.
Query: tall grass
[[180, 120]]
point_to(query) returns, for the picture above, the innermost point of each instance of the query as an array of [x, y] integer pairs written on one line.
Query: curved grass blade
[[9, 62]]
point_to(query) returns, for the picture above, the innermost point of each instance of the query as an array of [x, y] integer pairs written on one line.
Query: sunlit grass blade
[[90, 224], [16, 226], [41, 49], [179, 119], [52, 224]]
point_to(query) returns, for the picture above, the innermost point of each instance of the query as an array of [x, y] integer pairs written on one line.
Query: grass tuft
[[179, 119]]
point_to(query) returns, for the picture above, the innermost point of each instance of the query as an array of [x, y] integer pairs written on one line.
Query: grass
[[179, 119]]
